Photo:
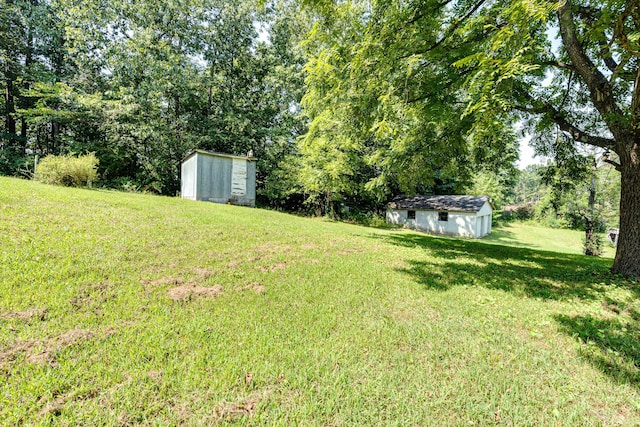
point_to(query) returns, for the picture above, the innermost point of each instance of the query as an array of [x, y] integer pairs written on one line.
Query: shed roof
[[213, 153], [441, 203]]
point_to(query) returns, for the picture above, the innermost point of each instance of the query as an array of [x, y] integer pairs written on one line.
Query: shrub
[[522, 211], [68, 170]]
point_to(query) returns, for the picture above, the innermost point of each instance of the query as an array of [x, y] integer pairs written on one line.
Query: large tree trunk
[[627, 260]]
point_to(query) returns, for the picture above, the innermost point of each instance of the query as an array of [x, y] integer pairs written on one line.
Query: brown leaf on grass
[[26, 315], [189, 290], [248, 379]]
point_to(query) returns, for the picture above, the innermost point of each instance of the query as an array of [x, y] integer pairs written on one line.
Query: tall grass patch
[[68, 170]]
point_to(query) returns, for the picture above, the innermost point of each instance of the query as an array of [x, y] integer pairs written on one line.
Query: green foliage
[[384, 104], [593, 244], [142, 84], [528, 187], [69, 170], [487, 184]]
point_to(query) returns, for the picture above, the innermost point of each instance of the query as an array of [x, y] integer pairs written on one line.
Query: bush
[[522, 211], [68, 170]]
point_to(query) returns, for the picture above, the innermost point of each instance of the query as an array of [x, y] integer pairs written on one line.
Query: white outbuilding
[[465, 216], [219, 178]]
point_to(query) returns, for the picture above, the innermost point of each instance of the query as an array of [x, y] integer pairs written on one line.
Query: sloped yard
[[123, 309]]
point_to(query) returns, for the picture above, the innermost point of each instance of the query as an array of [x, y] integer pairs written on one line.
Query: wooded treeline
[[141, 84]]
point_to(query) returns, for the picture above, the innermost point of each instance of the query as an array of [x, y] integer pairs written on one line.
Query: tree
[[386, 107], [142, 83], [565, 66], [593, 92]]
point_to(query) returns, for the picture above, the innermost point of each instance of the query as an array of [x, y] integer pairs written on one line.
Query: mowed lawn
[[527, 235], [126, 309]]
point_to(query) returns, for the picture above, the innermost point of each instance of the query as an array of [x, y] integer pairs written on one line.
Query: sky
[[527, 155]]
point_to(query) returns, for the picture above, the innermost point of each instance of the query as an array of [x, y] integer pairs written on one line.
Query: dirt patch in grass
[[203, 272], [273, 248], [93, 296], [190, 290], [44, 352], [228, 411], [164, 281], [54, 407], [12, 352], [234, 264], [256, 287], [53, 347], [38, 314], [349, 251], [275, 267]]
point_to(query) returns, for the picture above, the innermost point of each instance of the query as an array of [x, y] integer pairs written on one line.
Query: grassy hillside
[[527, 235], [123, 309]]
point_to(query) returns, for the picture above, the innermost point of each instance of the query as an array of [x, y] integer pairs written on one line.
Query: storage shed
[[466, 216], [219, 178]]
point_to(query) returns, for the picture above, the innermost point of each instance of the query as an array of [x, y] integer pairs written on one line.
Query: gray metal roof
[[441, 203], [213, 153]]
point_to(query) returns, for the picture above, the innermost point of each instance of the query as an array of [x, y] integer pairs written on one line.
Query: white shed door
[[239, 177]]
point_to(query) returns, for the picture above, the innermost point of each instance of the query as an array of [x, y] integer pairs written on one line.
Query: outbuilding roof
[[441, 203], [213, 153]]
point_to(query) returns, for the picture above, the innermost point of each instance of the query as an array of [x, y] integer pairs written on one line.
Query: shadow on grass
[[611, 345], [506, 237], [546, 275]]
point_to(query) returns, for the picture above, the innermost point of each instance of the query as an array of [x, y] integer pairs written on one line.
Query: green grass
[[527, 235], [124, 309]]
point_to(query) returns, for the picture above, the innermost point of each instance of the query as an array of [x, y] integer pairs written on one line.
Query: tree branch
[[542, 107], [600, 91], [615, 164], [449, 31], [558, 64]]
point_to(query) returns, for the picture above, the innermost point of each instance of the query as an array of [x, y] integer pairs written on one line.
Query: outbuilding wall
[[458, 224], [214, 178], [219, 179], [464, 224], [483, 221], [189, 178]]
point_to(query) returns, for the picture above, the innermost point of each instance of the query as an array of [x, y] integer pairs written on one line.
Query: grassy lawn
[[124, 309], [522, 234]]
